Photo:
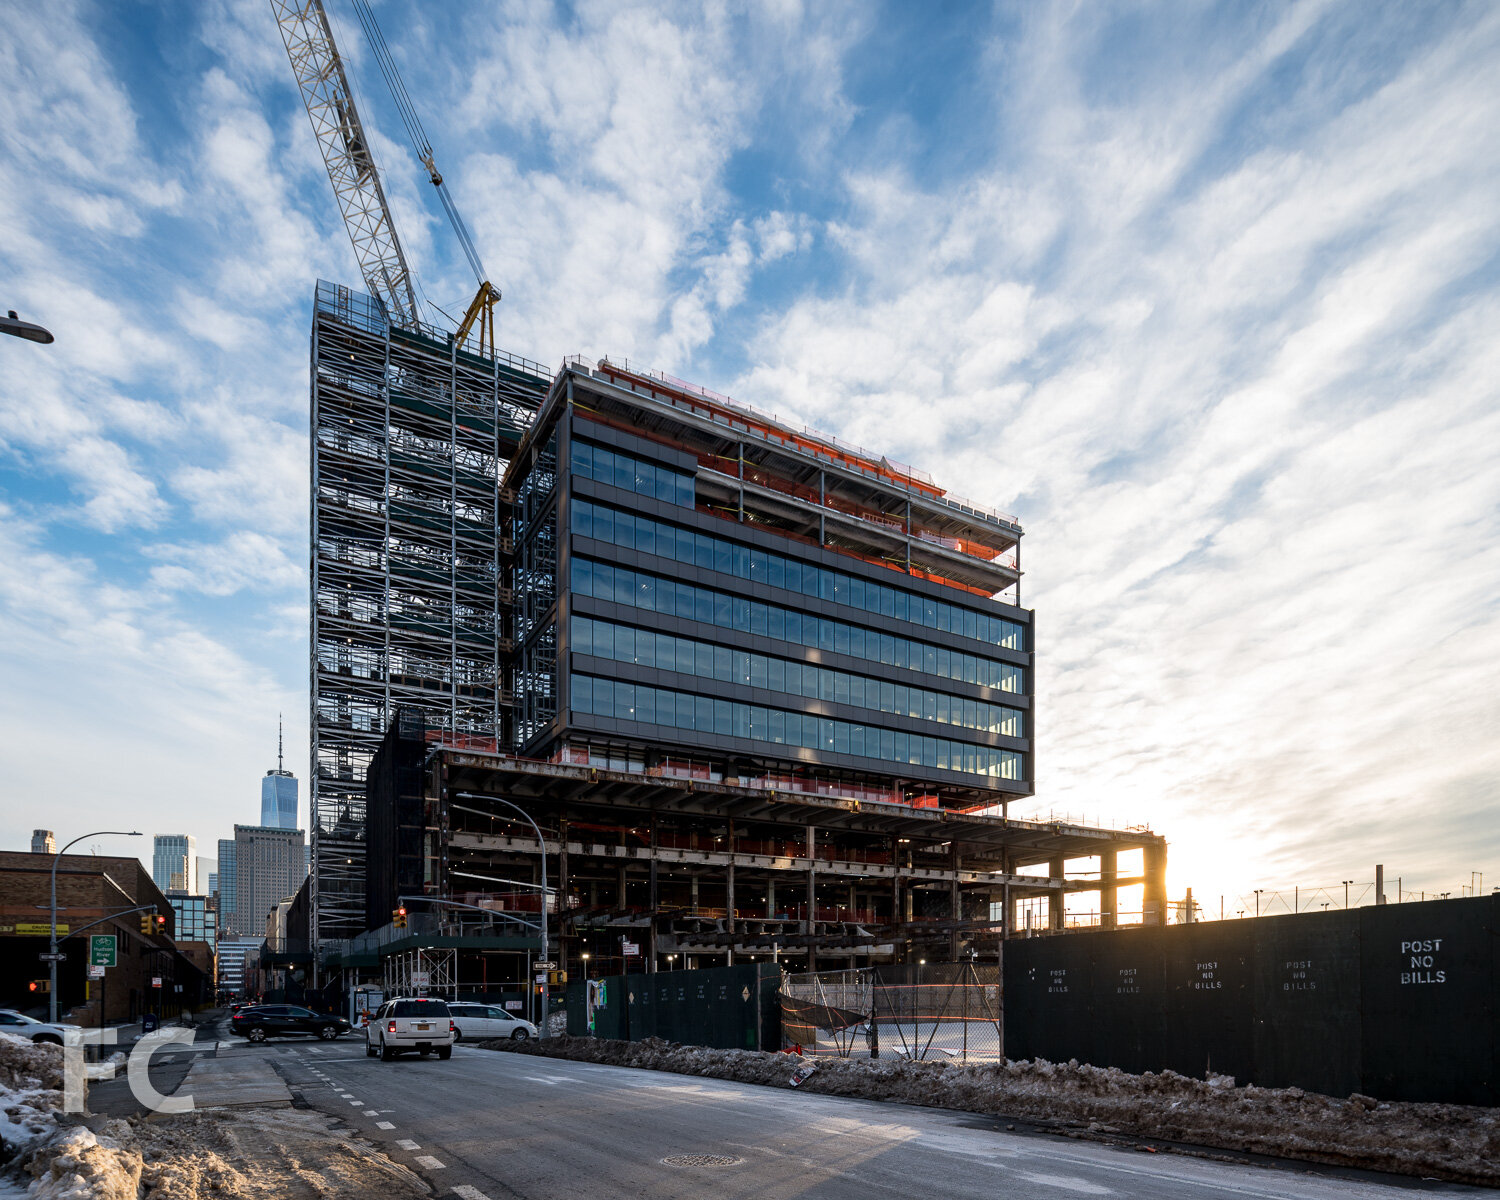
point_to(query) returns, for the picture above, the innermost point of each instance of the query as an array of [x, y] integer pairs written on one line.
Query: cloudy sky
[[1207, 294]]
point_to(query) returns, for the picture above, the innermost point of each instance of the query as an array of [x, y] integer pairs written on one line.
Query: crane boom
[[346, 153], [482, 307]]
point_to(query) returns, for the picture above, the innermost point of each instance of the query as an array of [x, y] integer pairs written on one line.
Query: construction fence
[[921, 1011]]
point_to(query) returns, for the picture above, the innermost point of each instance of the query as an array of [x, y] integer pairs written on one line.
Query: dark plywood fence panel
[[1047, 993], [1428, 1001], [1127, 983], [1206, 1001], [1306, 1004], [1397, 1001]]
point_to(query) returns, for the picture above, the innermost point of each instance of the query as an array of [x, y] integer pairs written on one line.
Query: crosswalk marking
[[469, 1192], [387, 1125], [408, 1144], [429, 1162]]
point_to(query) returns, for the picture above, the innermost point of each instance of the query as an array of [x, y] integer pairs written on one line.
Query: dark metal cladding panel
[[1047, 998], [1306, 1003], [576, 1003], [1126, 990], [1427, 984], [645, 998], [1206, 999], [718, 1007]]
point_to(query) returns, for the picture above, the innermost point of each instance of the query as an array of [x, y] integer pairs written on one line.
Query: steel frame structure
[[409, 439]]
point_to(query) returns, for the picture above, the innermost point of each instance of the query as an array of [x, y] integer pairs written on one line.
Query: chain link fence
[[918, 1011]]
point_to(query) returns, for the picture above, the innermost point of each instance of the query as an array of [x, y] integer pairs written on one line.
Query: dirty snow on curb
[[1447, 1141]]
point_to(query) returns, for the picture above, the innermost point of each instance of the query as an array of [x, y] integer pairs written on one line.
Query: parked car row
[[421, 1023]]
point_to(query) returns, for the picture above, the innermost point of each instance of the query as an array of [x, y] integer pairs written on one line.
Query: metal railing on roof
[[847, 450], [364, 312]]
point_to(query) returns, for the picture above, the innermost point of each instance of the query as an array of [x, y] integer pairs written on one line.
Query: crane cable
[[415, 132]]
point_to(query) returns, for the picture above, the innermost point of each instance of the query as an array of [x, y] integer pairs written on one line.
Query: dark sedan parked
[[280, 1020]]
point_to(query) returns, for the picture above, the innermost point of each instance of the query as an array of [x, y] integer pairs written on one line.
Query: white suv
[[476, 1022], [413, 1023]]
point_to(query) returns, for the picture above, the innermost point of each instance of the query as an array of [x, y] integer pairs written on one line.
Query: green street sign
[[101, 949]]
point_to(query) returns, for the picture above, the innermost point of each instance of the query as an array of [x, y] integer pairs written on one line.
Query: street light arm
[[56, 858], [542, 842]]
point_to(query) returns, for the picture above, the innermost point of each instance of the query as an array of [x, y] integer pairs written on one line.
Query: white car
[[475, 1022], [19, 1025], [420, 1023]]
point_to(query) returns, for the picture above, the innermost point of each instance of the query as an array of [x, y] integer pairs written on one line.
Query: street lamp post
[[542, 842], [1258, 891], [1346, 884], [52, 995]]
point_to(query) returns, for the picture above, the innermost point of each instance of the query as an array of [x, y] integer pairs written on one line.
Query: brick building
[[90, 888]]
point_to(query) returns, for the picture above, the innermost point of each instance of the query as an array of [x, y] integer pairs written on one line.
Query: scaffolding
[[409, 438]]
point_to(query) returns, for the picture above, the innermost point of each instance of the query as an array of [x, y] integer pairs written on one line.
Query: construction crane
[[346, 154], [356, 183], [481, 311]]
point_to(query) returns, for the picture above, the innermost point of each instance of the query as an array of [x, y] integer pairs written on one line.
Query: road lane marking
[[432, 1164], [551, 1081], [1069, 1183], [386, 1125], [408, 1144], [370, 1112], [469, 1192], [357, 1103]]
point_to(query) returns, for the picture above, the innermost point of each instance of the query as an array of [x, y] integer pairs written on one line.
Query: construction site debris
[[1444, 1141]]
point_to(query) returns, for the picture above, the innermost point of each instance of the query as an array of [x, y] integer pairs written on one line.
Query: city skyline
[[1204, 299]]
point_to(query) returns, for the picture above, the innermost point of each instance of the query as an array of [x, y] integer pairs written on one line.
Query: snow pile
[[252, 1154], [83, 1165], [1449, 1141], [31, 1080]]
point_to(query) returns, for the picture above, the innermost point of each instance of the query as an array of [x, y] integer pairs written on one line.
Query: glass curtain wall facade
[[675, 612]]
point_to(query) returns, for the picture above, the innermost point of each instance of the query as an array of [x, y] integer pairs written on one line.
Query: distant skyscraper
[[174, 862], [270, 865], [203, 878], [42, 842], [278, 795], [226, 881]]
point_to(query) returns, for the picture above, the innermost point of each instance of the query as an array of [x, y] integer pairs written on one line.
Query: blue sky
[[1207, 294]]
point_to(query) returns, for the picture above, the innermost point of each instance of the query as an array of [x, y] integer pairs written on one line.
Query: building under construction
[[735, 671], [410, 437], [772, 697]]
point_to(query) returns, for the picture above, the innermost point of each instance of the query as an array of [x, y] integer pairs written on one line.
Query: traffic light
[[40, 986], [161, 923], [557, 977], [148, 924], [398, 917]]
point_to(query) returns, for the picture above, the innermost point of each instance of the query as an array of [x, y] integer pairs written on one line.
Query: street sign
[[630, 949], [545, 966], [541, 978], [102, 948], [419, 978], [38, 929], [156, 981], [96, 971], [58, 957]]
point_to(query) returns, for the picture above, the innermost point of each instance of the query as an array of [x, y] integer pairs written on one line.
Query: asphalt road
[[492, 1125]]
